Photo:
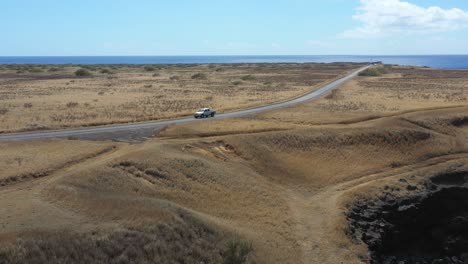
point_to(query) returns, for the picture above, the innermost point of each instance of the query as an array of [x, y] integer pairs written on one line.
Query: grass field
[[51, 97], [281, 181]]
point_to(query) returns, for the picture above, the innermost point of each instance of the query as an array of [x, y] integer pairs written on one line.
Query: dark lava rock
[[431, 226]]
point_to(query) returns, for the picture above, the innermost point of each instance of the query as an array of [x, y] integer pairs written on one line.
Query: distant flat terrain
[[43, 97]]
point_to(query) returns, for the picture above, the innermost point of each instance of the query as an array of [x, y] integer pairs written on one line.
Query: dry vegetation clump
[[182, 240], [83, 73], [237, 252], [149, 68], [248, 78], [375, 71], [199, 76], [129, 93]]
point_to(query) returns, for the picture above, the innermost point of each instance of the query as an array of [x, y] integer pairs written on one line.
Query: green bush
[[374, 71], [237, 252], [149, 68], [199, 76], [54, 69], [105, 71], [248, 77], [83, 73]]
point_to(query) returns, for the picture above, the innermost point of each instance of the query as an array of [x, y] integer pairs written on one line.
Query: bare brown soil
[[285, 181]]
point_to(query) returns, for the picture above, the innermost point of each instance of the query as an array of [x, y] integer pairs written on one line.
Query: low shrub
[[53, 69], [199, 76], [105, 71], [237, 252], [72, 104], [185, 241], [27, 105], [83, 73], [248, 78], [374, 71], [149, 68]]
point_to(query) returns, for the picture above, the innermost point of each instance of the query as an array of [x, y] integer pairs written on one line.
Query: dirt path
[[318, 214]]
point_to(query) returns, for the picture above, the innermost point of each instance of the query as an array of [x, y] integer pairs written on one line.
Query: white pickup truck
[[204, 112]]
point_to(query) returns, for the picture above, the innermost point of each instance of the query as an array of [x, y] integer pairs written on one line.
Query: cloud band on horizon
[[389, 17]]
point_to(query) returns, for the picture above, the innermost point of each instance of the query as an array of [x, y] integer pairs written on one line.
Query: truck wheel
[[212, 114]]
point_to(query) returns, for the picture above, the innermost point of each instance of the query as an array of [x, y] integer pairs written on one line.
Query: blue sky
[[241, 27]]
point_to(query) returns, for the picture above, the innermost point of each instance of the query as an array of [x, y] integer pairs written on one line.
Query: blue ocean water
[[433, 61]]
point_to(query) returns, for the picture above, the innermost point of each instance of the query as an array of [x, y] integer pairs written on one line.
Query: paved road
[[140, 131]]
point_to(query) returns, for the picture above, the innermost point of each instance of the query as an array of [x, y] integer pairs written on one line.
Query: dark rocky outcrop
[[430, 226]]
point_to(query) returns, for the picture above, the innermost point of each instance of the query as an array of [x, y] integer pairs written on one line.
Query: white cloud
[[392, 17]]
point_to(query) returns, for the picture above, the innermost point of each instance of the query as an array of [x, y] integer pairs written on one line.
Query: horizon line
[[224, 55]]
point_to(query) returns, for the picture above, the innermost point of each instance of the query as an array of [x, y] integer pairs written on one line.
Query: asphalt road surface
[[140, 131]]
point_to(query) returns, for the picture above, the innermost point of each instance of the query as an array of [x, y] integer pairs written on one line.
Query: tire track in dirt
[[319, 214]]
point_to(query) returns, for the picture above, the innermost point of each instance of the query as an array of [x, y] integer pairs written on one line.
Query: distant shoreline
[[433, 61]]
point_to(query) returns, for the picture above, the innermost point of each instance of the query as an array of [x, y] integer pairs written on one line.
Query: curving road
[[140, 131]]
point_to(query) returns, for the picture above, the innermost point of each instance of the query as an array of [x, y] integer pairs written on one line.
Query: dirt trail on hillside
[[319, 214], [23, 206]]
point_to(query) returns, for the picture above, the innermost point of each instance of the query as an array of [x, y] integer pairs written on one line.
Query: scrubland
[[279, 184], [51, 97]]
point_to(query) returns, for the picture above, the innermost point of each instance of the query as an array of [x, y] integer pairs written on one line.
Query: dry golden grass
[[58, 99], [21, 160], [222, 127], [404, 89], [281, 180]]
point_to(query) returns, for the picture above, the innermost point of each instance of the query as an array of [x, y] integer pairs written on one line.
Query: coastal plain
[[293, 185]]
